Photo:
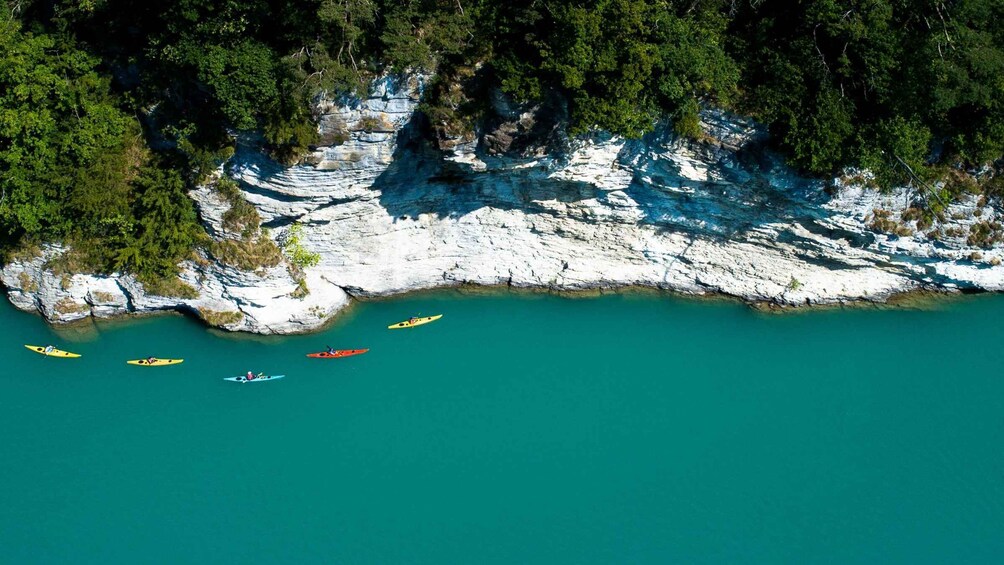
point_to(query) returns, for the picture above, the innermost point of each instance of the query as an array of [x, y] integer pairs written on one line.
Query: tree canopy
[[111, 109]]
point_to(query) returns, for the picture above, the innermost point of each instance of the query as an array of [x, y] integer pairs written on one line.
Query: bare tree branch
[[815, 43]]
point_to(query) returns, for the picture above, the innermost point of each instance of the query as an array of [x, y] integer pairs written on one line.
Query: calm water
[[514, 430]]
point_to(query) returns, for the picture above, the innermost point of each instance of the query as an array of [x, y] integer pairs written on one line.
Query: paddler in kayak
[[331, 350], [49, 348], [250, 376], [151, 360], [412, 320]]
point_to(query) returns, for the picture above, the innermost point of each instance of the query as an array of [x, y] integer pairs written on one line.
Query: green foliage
[[818, 136], [198, 156], [290, 129], [417, 34], [898, 75], [166, 226], [241, 78], [964, 76], [896, 150], [688, 121], [897, 86], [295, 252], [64, 146], [74, 166], [829, 76], [248, 247], [622, 63]]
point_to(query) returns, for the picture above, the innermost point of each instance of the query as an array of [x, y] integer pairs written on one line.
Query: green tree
[[241, 78], [166, 225], [622, 63], [65, 148]]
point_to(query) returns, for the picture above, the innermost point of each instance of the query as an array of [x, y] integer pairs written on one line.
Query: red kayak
[[337, 353]]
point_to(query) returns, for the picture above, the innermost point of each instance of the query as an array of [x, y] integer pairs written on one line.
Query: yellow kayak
[[51, 352], [155, 363], [414, 322]]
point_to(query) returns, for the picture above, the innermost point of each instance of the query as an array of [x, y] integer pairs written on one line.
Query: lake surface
[[517, 429]]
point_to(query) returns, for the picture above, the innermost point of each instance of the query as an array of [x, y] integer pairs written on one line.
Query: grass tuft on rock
[[172, 287], [69, 306], [27, 283], [219, 318]]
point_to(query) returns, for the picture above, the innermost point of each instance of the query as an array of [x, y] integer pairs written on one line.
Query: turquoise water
[[517, 429]]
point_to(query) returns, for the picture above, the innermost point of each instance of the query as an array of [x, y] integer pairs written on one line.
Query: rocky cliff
[[521, 204]]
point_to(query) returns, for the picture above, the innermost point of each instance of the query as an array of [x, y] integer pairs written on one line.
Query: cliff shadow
[[694, 189], [701, 189], [421, 180]]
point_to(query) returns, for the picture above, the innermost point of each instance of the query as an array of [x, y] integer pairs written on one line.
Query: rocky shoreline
[[521, 205]]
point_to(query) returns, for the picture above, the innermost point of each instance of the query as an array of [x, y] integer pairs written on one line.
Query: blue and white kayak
[[243, 379]]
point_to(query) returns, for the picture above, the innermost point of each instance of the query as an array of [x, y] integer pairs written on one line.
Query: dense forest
[[110, 110]]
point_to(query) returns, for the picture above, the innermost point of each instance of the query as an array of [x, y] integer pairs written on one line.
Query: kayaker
[[49, 348], [331, 350], [249, 376], [150, 360], [412, 320]]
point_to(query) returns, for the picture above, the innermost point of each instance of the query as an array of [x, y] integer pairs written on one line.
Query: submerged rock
[[389, 213]]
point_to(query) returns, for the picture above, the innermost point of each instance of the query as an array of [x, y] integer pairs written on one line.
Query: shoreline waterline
[[923, 299]]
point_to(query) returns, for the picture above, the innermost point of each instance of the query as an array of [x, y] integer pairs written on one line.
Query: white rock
[[388, 219]]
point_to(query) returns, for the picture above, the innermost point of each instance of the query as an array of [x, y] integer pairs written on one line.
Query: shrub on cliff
[[294, 250]]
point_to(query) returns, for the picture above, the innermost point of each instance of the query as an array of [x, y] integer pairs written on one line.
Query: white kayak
[[243, 379]]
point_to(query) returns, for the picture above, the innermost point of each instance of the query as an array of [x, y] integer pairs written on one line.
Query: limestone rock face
[[523, 205], [260, 302]]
